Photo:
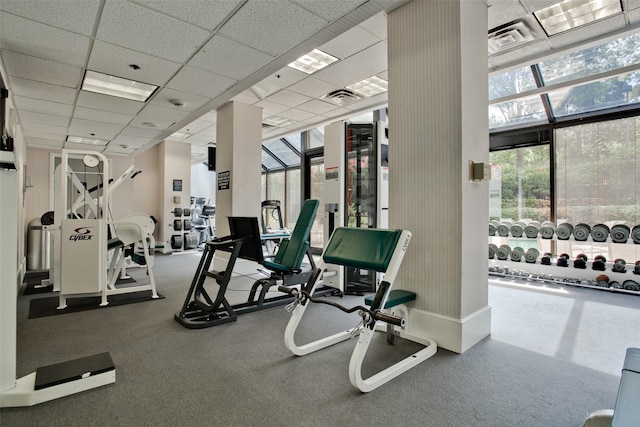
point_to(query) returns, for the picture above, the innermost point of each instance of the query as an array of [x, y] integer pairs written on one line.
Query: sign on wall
[[224, 180]]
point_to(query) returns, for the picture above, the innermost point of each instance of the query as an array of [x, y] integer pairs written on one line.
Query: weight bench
[[370, 249]]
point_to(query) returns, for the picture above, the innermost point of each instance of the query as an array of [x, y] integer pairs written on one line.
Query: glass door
[[314, 189], [361, 182]]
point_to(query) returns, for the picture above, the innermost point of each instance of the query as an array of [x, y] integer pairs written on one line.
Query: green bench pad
[[114, 243], [396, 297], [369, 249]]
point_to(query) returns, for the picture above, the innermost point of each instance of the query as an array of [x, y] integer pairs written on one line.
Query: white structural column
[[438, 122], [238, 163]]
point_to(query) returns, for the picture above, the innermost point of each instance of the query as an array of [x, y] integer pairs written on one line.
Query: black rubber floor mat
[[42, 307]]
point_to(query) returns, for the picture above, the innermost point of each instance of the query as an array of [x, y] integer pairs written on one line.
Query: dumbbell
[[503, 252], [493, 225], [177, 212], [564, 230], [620, 233], [599, 263], [581, 232], [503, 229], [631, 285], [636, 270], [546, 259], [516, 254], [547, 230], [635, 234], [492, 250], [517, 229], [615, 285], [619, 266], [580, 261], [563, 260], [600, 233], [531, 256], [532, 229]]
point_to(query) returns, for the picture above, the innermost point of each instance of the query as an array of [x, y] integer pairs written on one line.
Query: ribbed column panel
[[38, 171], [427, 168]]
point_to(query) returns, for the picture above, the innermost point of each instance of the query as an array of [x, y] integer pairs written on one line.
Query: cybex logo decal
[[405, 244], [82, 233]]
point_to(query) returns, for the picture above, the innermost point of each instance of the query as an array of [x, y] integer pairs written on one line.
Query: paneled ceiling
[[203, 53]]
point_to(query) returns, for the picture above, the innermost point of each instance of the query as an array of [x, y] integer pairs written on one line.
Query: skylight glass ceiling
[[269, 162], [283, 152], [511, 82], [600, 77]]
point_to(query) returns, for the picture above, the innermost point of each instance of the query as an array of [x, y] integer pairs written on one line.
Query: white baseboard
[[457, 335]]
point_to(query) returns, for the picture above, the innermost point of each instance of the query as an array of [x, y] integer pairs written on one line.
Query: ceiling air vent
[[342, 96], [509, 36]]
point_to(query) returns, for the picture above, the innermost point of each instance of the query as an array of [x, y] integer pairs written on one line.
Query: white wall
[[203, 183]]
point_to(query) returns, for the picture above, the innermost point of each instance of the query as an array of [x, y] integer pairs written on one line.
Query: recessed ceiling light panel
[[87, 141], [116, 86], [369, 87], [570, 14], [277, 121], [313, 61]]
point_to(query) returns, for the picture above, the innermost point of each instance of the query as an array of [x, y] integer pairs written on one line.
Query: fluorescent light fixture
[[278, 121], [369, 87], [570, 14], [313, 61], [86, 141], [115, 86]]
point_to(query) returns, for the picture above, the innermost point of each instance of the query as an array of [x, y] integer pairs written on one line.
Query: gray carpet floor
[[554, 356]]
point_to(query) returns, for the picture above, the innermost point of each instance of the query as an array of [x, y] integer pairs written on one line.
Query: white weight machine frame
[[80, 251], [365, 334]]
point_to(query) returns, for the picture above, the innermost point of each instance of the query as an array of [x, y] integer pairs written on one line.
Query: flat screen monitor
[[247, 227]]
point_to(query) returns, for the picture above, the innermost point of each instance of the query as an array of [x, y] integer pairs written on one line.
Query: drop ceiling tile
[[588, 31], [316, 106], [117, 150], [115, 60], [162, 117], [272, 27], [285, 77], [528, 51], [229, 58], [40, 130], [102, 116], [329, 10], [38, 90], [634, 16], [99, 101], [297, 115], [199, 139], [40, 106], [191, 102], [78, 16], [204, 13], [138, 28], [384, 75], [46, 119], [632, 4], [313, 87], [373, 59], [263, 89], [129, 141], [342, 73], [270, 108], [17, 35], [377, 25], [140, 132], [211, 116], [84, 147], [41, 70], [369, 103], [288, 98], [200, 82], [207, 133], [350, 42], [196, 126], [46, 144], [246, 97], [504, 11], [89, 128]]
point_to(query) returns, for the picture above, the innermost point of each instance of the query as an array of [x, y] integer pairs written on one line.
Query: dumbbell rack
[[552, 274], [537, 272], [182, 242]]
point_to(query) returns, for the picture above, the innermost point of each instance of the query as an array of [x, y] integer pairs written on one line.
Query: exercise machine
[[377, 250], [201, 310], [91, 247]]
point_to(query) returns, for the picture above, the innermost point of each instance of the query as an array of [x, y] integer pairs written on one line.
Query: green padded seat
[[369, 249], [114, 243], [396, 297], [291, 251]]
